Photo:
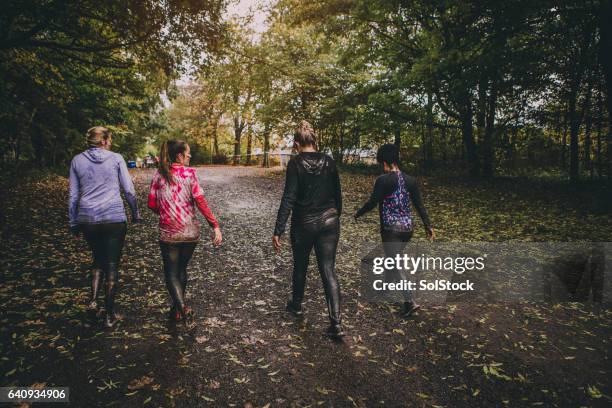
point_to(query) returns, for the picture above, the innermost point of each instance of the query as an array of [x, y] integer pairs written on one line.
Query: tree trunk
[[563, 162], [423, 146], [216, 137], [574, 119], [577, 71], [428, 142], [398, 137], [609, 147], [481, 111], [266, 154], [18, 147], [557, 133], [467, 133], [588, 165], [600, 115], [511, 149], [487, 163], [236, 160], [54, 155], [444, 142], [249, 145], [37, 145], [605, 58], [28, 128], [342, 130], [238, 127]]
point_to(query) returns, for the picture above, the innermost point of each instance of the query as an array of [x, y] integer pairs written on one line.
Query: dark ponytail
[[164, 163], [168, 154]]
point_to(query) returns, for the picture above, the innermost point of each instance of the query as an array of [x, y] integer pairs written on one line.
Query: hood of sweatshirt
[[312, 162], [97, 155]]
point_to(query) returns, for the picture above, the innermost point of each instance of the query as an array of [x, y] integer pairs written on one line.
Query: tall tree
[[67, 65]]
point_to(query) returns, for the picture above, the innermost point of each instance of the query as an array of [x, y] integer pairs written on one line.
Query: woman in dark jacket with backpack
[[313, 196], [394, 193]]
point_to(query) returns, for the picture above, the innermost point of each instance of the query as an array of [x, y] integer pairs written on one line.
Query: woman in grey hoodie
[[96, 209]]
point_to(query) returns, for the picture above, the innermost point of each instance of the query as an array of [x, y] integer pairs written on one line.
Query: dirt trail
[[245, 348]]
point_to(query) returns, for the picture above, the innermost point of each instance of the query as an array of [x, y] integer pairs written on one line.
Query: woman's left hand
[[218, 238], [75, 230]]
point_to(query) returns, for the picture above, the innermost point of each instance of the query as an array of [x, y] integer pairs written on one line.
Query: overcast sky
[[243, 8], [240, 9]]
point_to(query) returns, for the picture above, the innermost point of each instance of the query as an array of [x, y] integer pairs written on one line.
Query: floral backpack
[[396, 209]]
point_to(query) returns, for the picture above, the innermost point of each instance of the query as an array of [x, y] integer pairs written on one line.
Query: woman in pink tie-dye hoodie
[[175, 193]]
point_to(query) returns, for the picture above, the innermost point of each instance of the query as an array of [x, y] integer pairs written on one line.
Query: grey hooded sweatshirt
[[96, 179]]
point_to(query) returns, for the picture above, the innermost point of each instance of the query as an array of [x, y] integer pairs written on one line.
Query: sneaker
[[335, 331], [111, 320], [175, 315], [187, 311], [188, 317], [409, 308], [296, 311], [92, 306]]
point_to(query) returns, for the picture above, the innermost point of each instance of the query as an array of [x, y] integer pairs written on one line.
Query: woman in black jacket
[[312, 193], [394, 193]]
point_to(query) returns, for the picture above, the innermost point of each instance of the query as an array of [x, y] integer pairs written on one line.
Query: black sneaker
[[409, 308], [296, 311], [111, 319], [335, 331], [92, 309], [174, 315]]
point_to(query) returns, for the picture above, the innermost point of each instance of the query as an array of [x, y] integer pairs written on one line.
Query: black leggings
[[394, 243], [176, 257], [322, 234], [106, 243]]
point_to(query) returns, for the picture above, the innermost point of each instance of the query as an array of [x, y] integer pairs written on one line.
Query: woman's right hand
[[218, 237], [431, 235], [276, 243]]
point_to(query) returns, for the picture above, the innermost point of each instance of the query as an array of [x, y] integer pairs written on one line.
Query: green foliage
[[465, 81], [484, 88], [67, 66]]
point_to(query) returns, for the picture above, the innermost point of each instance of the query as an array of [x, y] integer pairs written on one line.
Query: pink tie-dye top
[[175, 203]]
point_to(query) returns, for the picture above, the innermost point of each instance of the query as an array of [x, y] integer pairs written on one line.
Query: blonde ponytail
[[304, 135], [96, 135]]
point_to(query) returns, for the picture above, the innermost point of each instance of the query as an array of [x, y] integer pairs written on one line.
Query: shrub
[[220, 158]]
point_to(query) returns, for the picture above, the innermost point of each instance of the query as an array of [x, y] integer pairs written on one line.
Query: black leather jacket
[[312, 186]]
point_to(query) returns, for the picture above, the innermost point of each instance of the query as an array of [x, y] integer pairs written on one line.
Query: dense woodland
[[503, 107], [481, 88]]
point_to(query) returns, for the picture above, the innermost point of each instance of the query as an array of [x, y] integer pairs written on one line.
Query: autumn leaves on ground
[[246, 351]]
